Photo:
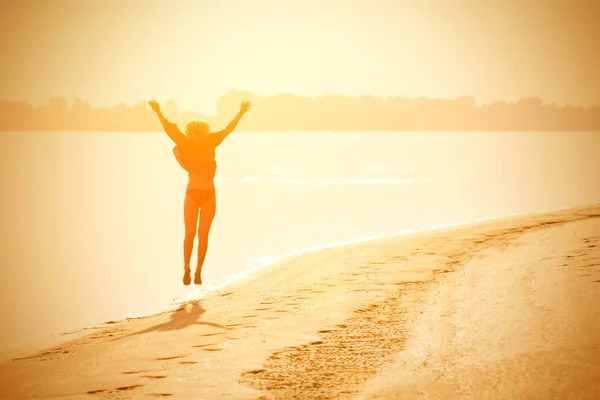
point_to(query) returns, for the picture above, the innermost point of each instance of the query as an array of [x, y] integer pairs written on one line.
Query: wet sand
[[501, 309]]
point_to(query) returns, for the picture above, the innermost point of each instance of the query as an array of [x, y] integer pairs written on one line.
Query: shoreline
[[257, 265], [253, 267], [303, 306]]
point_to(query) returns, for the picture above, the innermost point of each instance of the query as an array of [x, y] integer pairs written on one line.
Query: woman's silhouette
[[195, 152]]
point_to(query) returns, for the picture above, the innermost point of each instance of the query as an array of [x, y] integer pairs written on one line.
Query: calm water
[[92, 223]]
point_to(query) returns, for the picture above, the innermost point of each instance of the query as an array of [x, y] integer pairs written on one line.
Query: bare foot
[[197, 278], [186, 277]]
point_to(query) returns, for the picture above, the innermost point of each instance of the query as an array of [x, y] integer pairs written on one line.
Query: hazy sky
[[194, 51]]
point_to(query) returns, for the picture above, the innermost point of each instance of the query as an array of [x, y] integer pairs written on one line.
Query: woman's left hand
[[154, 105]]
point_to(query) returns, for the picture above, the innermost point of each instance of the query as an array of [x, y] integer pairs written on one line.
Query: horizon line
[[544, 101]]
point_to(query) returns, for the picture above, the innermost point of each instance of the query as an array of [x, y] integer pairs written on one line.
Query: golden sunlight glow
[[240, 199], [195, 51]]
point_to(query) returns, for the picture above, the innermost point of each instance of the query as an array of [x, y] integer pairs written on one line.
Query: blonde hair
[[197, 125]]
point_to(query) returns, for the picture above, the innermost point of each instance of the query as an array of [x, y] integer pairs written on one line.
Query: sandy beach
[[505, 309]]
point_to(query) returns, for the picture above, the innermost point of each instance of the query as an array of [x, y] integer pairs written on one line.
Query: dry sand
[[508, 309]]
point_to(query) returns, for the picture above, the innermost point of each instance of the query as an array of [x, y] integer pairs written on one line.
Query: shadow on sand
[[186, 315]]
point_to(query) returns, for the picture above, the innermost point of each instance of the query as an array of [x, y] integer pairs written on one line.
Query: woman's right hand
[[245, 107], [155, 106]]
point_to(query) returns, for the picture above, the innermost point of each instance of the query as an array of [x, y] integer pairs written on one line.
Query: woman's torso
[[198, 159]]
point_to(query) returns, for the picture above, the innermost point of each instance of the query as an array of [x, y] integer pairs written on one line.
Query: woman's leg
[[207, 214], [190, 218]]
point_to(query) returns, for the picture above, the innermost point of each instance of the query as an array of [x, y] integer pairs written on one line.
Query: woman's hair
[[197, 125]]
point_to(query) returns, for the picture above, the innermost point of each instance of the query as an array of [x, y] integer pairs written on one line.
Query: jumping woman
[[195, 152]]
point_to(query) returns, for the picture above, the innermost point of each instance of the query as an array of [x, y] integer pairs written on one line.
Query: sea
[[92, 222]]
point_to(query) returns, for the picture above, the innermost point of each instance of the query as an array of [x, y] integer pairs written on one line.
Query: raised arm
[[221, 135], [170, 128]]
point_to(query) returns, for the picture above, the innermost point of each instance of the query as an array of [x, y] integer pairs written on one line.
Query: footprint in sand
[[187, 362], [28, 357], [205, 345], [96, 391], [134, 372], [101, 336], [122, 388], [56, 351], [52, 352], [213, 334], [168, 358], [129, 387], [161, 394], [154, 376], [255, 371]]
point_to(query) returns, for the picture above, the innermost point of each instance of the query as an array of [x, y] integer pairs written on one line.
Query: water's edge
[[253, 267], [256, 265]]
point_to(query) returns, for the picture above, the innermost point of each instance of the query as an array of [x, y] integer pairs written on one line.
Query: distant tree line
[[285, 112]]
